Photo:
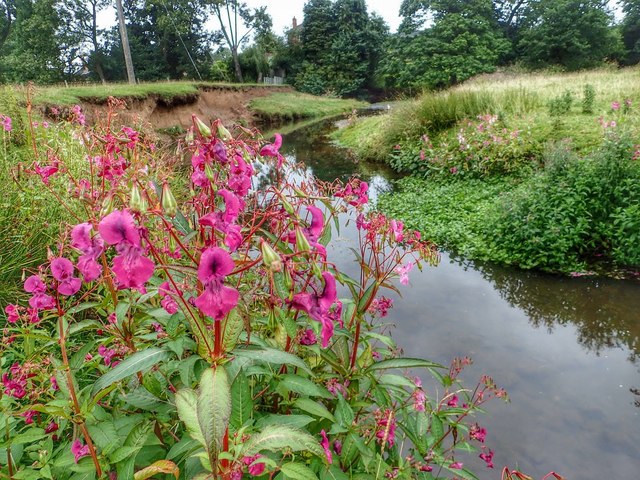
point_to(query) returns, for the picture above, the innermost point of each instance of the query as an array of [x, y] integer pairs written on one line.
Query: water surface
[[565, 349]]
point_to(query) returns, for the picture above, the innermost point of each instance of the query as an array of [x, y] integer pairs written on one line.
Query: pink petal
[[214, 263], [119, 227], [217, 300]]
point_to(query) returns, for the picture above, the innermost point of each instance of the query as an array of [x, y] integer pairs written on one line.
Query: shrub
[[561, 105], [588, 98], [204, 337]]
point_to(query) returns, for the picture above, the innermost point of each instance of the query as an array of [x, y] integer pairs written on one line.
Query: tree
[[341, 47], [630, 30], [229, 13], [573, 34], [168, 39], [32, 48], [82, 25], [443, 42]]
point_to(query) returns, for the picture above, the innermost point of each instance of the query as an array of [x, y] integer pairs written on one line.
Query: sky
[[283, 11]]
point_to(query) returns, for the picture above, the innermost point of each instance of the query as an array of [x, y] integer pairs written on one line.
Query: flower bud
[[169, 204], [223, 133], [189, 137], [287, 206], [107, 206], [302, 244], [299, 192], [135, 202], [270, 257], [208, 171], [202, 127]]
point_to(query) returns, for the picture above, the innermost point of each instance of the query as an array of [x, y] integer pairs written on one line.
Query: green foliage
[[462, 42], [588, 98], [31, 47], [340, 47], [568, 33], [558, 219], [630, 30], [289, 106], [480, 148], [561, 105]]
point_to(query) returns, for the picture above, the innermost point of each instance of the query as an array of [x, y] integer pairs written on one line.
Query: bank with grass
[[537, 171], [168, 106]]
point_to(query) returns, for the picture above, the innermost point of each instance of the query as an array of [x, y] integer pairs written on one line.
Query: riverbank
[[536, 171], [169, 106]]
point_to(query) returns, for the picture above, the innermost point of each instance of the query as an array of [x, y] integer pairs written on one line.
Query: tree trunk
[[236, 64]]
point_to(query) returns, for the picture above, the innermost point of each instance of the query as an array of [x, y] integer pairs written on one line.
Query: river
[[566, 350]]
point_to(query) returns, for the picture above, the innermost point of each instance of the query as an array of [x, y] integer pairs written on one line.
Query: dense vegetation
[[523, 172], [338, 48], [197, 333]]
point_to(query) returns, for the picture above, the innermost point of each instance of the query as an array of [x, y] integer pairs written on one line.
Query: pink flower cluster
[[6, 123], [385, 427]]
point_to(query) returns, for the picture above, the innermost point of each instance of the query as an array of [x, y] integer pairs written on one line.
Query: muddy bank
[[230, 104]]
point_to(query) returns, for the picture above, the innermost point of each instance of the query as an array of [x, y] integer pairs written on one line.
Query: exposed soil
[[231, 105]]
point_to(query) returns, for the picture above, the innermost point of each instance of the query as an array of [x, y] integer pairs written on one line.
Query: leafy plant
[[203, 337], [588, 98]]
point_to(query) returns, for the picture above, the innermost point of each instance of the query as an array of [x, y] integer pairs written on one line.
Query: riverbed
[[565, 349]]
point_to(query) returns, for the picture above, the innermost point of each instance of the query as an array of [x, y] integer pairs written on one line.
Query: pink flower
[[317, 224], [62, 270], [107, 354], [380, 307], [325, 445], [131, 268], [54, 384], [453, 402], [12, 313], [615, 106], [386, 427], [28, 416], [79, 117], [273, 150], [397, 229], [216, 300], [6, 123], [403, 271], [456, 465], [46, 171], [39, 300], [478, 433], [308, 338], [79, 450], [119, 227], [91, 247], [453, 170], [52, 427], [318, 307], [419, 399], [169, 304], [254, 469], [488, 458]]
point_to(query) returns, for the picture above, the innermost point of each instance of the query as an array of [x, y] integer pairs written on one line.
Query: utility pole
[[125, 43]]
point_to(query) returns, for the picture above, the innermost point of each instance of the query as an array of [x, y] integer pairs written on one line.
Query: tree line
[[339, 47]]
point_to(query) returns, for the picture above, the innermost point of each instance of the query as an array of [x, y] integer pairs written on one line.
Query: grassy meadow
[[533, 170]]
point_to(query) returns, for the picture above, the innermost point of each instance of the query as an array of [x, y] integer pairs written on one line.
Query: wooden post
[[125, 43]]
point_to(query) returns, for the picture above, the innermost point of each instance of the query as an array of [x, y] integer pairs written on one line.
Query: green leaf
[[402, 363], [314, 408], [298, 471], [296, 421], [344, 413], [186, 404], [333, 473], [214, 406], [366, 297], [135, 363], [241, 401], [279, 437], [104, 436], [233, 326], [30, 436], [303, 386], [272, 355]]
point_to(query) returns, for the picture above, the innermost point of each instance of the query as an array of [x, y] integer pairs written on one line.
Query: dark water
[[566, 350]]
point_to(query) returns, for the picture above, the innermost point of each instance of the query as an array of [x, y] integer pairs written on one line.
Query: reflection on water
[[565, 349]]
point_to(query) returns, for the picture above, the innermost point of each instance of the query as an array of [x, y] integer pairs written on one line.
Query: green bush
[[561, 105], [588, 99]]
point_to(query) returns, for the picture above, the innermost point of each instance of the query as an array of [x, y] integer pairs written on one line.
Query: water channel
[[566, 350]]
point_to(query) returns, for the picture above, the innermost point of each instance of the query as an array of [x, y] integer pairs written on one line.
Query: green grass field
[[294, 105]]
